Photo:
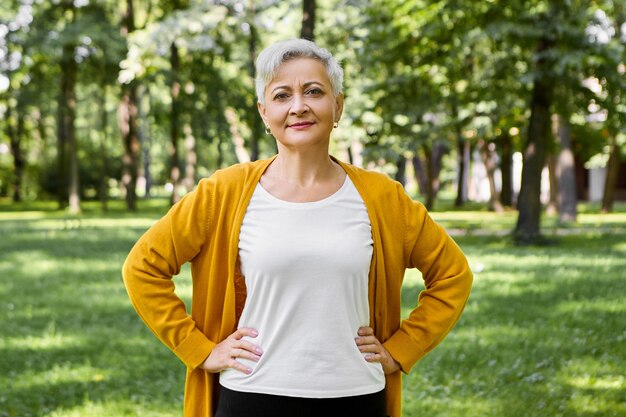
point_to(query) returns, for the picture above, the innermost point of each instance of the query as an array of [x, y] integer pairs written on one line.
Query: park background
[[505, 117]]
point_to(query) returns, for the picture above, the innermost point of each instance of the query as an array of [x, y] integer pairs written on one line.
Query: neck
[[304, 167]]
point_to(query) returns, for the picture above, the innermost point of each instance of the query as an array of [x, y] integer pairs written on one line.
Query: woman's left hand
[[374, 350]]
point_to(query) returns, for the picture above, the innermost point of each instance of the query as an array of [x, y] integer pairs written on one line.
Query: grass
[[542, 335]]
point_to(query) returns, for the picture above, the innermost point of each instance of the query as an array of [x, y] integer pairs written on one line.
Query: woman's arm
[[448, 281], [156, 257]]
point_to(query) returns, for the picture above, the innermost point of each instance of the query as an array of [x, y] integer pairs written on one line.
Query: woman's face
[[300, 108]]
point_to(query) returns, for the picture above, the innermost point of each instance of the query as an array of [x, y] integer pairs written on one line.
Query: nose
[[298, 105]]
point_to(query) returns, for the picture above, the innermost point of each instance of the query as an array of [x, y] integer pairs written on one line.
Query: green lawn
[[544, 333]]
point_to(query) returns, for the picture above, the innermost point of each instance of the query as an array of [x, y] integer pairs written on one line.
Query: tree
[[615, 102], [308, 20], [418, 67], [68, 145], [127, 115], [568, 198], [14, 121], [555, 34], [527, 229]]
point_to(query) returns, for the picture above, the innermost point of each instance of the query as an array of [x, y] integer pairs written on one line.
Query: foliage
[[418, 74]]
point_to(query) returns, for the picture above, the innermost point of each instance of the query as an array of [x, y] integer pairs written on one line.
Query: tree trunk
[[400, 175], [506, 158], [612, 169], [127, 112], [190, 159], [174, 123], [308, 20], [421, 175], [430, 191], [356, 153], [553, 178], [255, 121], [68, 84], [463, 162], [566, 173], [144, 141], [612, 173], [427, 172], [527, 229], [39, 134], [238, 143], [62, 197], [220, 152], [438, 151], [487, 154], [104, 164], [19, 162]]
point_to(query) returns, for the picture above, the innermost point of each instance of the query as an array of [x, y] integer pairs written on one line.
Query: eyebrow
[[305, 85]]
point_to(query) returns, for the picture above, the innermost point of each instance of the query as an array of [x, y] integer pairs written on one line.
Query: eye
[[314, 91], [281, 96]]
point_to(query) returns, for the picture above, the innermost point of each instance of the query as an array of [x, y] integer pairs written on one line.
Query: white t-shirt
[[306, 268]]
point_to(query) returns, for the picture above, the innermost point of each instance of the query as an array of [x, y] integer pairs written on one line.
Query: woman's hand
[[374, 350], [225, 353]]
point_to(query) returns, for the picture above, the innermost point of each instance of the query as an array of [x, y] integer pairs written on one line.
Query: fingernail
[[259, 351], [249, 370], [255, 333]]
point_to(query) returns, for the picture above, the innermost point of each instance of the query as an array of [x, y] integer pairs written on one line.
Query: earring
[[335, 125], [267, 130]]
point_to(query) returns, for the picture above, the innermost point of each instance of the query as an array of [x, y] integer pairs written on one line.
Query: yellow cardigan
[[203, 228]]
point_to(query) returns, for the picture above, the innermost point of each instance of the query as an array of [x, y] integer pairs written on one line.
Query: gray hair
[[271, 58]]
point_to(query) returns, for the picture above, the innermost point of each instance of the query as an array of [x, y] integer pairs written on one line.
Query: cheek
[[276, 114]]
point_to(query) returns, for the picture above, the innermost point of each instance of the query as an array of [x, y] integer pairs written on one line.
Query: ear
[[338, 107], [261, 109]]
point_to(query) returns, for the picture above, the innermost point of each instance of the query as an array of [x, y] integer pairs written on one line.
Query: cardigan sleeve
[[156, 257], [447, 278]]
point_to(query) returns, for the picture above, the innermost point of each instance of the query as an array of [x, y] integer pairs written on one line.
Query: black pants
[[244, 404]]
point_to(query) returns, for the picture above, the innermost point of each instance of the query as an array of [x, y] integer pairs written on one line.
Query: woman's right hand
[[224, 355]]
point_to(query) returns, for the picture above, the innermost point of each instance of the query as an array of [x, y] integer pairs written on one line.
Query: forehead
[[300, 71]]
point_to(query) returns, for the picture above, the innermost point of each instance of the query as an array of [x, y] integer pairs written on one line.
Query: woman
[[297, 267]]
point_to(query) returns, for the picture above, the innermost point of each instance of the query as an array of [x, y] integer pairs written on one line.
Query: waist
[[295, 365], [233, 403]]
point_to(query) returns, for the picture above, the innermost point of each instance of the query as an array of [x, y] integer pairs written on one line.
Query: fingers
[[369, 344], [366, 339], [245, 354], [365, 331], [226, 353], [374, 351], [238, 366], [244, 331], [243, 345]]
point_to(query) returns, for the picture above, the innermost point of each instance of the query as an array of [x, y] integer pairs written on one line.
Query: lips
[[300, 125]]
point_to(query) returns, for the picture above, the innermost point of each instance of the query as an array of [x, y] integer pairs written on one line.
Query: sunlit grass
[[542, 335]]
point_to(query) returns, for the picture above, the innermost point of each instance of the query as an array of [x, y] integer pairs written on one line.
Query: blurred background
[[110, 99], [506, 118]]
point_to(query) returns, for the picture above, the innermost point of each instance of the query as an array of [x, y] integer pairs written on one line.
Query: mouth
[[300, 125]]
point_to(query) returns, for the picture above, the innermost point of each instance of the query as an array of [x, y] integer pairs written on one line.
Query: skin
[[300, 111]]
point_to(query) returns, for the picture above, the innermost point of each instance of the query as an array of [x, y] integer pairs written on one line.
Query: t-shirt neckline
[[303, 205]]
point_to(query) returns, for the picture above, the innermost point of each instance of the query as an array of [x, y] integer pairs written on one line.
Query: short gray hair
[[271, 58]]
